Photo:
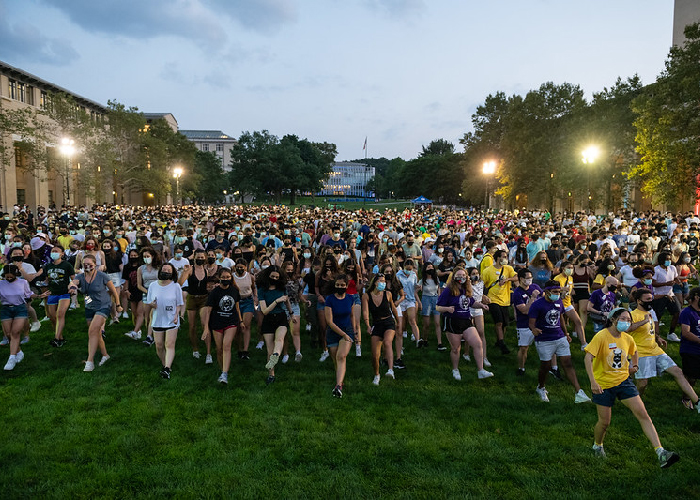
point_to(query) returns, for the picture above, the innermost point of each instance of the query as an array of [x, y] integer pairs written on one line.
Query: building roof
[[52, 87], [206, 134]]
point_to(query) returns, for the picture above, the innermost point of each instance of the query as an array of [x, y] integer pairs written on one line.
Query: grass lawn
[[123, 432]]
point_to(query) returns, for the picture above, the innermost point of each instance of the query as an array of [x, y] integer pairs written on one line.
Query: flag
[[365, 146]]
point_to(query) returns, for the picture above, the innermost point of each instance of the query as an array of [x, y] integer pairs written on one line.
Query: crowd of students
[[230, 268]]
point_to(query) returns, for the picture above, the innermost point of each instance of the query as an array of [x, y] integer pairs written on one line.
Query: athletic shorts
[[623, 391], [476, 312], [13, 312], [195, 302], [320, 306], [382, 326], [683, 288], [271, 322], [546, 349], [333, 339], [222, 330], [691, 366], [525, 337], [405, 305], [499, 314], [53, 300], [247, 305], [665, 304], [105, 312], [456, 325], [164, 328], [568, 308], [581, 294], [652, 366], [428, 304]]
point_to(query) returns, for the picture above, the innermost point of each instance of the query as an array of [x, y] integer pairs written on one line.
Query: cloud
[[264, 16], [396, 8]]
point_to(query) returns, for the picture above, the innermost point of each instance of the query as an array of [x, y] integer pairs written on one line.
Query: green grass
[[122, 431]]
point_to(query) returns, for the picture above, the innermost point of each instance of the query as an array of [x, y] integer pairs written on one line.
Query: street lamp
[[67, 149], [589, 156], [489, 169], [177, 173]]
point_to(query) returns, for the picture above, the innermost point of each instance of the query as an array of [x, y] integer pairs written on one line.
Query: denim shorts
[[91, 313], [428, 304], [356, 300], [53, 300], [247, 305], [296, 310], [13, 312], [333, 339], [625, 390], [683, 288]]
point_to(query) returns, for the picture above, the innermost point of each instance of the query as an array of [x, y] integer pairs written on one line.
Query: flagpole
[[364, 189]]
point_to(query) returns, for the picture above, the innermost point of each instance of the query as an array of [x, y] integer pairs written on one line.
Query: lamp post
[[67, 149], [177, 173], [589, 156], [489, 169]]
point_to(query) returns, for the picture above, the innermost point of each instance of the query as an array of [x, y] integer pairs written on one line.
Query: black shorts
[[691, 366], [271, 322], [456, 325], [665, 304], [499, 314], [581, 294], [381, 327]]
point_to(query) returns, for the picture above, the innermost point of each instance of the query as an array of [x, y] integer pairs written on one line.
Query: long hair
[[457, 289], [262, 280]]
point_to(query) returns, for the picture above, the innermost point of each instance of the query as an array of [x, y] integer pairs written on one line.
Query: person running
[[97, 287], [454, 303], [378, 303], [523, 297], [276, 308], [397, 296], [665, 276], [245, 282], [354, 279], [294, 288], [497, 283], [164, 298], [409, 281], [551, 338], [609, 370], [690, 337], [133, 293], [477, 314], [145, 276], [329, 269], [113, 268], [222, 315], [342, 329], [59, 274], [430, 286], [196, 278]]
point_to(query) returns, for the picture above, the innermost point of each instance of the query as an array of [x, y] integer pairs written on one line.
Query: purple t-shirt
[[519, 297], [690, 317], [603, 302], [460, 302], [547, 318]]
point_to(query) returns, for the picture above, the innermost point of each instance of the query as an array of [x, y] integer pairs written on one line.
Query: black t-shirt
[[58, 277], [187, 248], [223, 307], [692, 245]]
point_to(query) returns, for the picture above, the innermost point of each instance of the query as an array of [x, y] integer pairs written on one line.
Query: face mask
[[461, 279], [623, 326], [440, 250], [340, 290], [147, 260], [225, 283], [336, 235], [163, 276], [10, 279], [240, 270], [274, 281], [612, 288], [686, 259], [504, 262], [611, 267], [17, 244], [265, 266], [527, 282], [219, 237], [568, 271], [211, 260], [583, 247], [90, 246], [178, 255], [307, 255], [89, 269], [106, 232], [199, 262], [133, 260], [409, 243], [55, 255], [667, 263], [554, 297], [381, 286], [17, 258], [219, 257], [646, 305], [647, 281]]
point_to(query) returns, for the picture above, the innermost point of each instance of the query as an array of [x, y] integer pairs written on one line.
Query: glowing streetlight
[[488, 169], [177, 173], [589, 156], [67, 149]]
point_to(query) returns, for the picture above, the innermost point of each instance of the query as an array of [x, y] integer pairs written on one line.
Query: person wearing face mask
[[686, 271], [566, 281], [409, 281], [145, 276], [477, 313], [222, 260], [552, 339], [341, 329], [665, 276], [498, 279], [541, 268], [132, 293], [602, 301], [222, 316], [179, 261], [523, 297], [113, 269], [219, 240], [430, 289], [14, 293], [28, 273], [690, 337], [323, 277], [412, 249], [58, 274], [653, 361], [97, 287], [164, 299], [609, 371], [194, 279], [90, 247], [378, 302], [245, 282], [276, 308]]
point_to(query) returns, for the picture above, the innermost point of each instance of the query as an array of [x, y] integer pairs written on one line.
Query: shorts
[[356, 300], [382, 326], [53, 300], [247, 305], [597, 327], [428, 304], [296, 310], [271, 322], [569, 308], [164, 328], [105, 312], [476, 312], [333, 339], [623, 391], [665, 304], [499, 314], [195, 302], [652, 366], [320, 306], [691, 365], [456, 325], [222, 330], [406, 304], [135, 295], [525, 337], [115, 279], [581, 294], [13, 312], [546, 349], [683, 288]]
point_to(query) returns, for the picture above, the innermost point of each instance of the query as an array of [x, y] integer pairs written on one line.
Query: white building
[[348, 179], [214, 141], [685, 12]]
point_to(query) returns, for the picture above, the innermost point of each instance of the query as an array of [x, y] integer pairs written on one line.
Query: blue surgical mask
[[667, 263], [647, 281], [381, 286], [554, 297], [623, 326]]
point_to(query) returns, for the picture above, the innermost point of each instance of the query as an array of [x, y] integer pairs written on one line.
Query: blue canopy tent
[[421, 200]]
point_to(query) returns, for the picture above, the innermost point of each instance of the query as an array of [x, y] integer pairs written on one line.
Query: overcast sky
[[399, 72]]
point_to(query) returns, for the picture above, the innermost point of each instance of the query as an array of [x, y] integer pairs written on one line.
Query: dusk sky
[[399, 72]]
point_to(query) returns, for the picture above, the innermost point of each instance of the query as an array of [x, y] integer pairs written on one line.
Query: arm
[[588, 361], [206, 312], [139, 281], [329, 321], [394, 311], [634, 363], [114, 293], [531, 323], [685, 333], [365, 311], [186, 273], [102, 267]]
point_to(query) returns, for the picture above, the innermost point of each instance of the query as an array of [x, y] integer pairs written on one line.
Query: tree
[[438, 147]]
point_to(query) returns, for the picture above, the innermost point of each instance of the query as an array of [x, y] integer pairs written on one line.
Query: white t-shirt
[[167, 298], [661, 275], [628, 278], [179, 265]]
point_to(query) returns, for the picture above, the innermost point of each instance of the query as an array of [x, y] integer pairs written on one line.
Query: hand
[[536, 331], [485, 299], [595, 388], [662, 342], [119, 306], [485, 307], [294, 320], [633, 369], [535, 294], [450, 309], [205, 334], [127, 293], [568, 338]]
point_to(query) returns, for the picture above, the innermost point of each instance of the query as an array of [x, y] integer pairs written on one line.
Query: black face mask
[[612, 288], [225, 283], [646, 305], [199, 262], [164, 275], [133, 260], [11, 279], [211, 260], [274, 281], [17, 258], [340, 290]]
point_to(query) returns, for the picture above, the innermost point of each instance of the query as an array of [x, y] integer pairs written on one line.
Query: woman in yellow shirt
[[609, 372]]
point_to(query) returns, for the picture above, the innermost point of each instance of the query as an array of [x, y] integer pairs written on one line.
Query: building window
[[30, 95], [21, 92], [219, 147], [13, 89], [205, 147], [21, 197]]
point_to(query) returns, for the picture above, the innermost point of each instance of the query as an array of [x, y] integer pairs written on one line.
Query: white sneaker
[[672, 337], [543, 394], [4, 341], [456, 375], [260, 344], [413, 337], [484, 374], [298, 357], [19, 356], [390, 374], [487, 363], [358, 350], [405, 334], [208, 360], [285, 358], [308, 327], [324, 356], [24, 340], [402, 352], [103, 360], [73, 307], [35, 327], [112, 321], [467, 358], [134, 335], [574, 335], [44, 319], [125, 315], [11, 363], [196, 355], [583, 346], [89, 366], [581, 397], [376, 380]]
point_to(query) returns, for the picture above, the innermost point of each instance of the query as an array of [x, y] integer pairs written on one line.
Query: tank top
[[148, 277], [195, 286], [245, 284], [381, 311], [685, 271], [247, 255], [580, 280]]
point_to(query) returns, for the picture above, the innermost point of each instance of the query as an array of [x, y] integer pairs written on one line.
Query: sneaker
[[308, 327], [376, 380], [688, 403], [35, 327], [4, 341], [165, 373], [149, 342], [466, 357], [44, 319], [245, 355], [519, 372], [599, 452], [441, 348], [487, 363], [413, 337], [543, 394], [581, 397], [113, 321], [484, 374], [298, 357], [134, 335], [556, 373], [337, 392], [456, 375], [61, 342], [390, 374], [270, 379], [103, 360], [19, 356], [24, 340], [54, 343], [73, 307], [11, 363], [285, 358], [196, 355], [503, 347], [125, 315], [274, 358], [398, 364], [405, 335], [324, 356], [672, 337], [668, 458], [89, 366], [208, 360], [574, 334], [402, 351], [583, 346], [260, 344], [358, 350], [223, 378]]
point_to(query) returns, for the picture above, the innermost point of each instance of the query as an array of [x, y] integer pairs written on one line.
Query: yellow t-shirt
[[64, 241], [567, 285], [599, 280], [644, 336], [486, 262], [610, 363], [498, 294]]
